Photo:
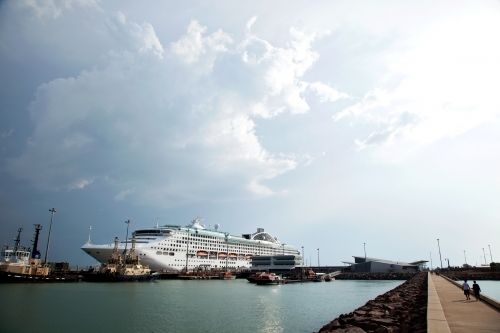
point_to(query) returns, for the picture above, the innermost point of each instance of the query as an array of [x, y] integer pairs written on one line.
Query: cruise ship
[[178, 248]]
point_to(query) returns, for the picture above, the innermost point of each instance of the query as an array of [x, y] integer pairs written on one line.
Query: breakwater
[[376, 276], [461, 275], [402, 309]]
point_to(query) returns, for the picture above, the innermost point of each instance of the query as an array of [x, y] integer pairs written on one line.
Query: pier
[[449, 311]]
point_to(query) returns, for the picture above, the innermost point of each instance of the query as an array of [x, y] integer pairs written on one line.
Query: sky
[[336, 126]]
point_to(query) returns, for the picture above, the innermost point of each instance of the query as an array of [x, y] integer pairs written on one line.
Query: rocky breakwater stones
[[375, 276], [400, 310]]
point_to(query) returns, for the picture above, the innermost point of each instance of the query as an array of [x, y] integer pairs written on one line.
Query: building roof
[[385, 261]]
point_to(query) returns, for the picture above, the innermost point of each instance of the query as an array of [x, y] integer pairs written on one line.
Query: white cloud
[[173, 133], [326, 93], [121, 196], [449, 79], [372, 100], [194, 44], [135, 37], [283, 69]]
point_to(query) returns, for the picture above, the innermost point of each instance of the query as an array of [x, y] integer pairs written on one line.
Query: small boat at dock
[[227, 276], [269, 278]]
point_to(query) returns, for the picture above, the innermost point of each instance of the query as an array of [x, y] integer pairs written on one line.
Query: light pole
[[227, 247], [430, 255], [187, 252], [318, 257], [303, 255], [441, 261], [448, 262], [52, 210], [126, 238], [491, 258], [465, 257], [484, 256]]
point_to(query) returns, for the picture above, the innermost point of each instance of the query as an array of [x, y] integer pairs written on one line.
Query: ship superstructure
[[177, 248]]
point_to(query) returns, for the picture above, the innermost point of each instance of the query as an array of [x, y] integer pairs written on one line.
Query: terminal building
[[375, 265], [276, 262]]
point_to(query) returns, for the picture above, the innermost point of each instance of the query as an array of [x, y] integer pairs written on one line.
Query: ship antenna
[[90, 230], [17, 240]]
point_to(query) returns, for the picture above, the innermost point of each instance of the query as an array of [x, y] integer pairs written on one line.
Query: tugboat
[[269, 278], [118, 270], [252, 278], [20, 264]]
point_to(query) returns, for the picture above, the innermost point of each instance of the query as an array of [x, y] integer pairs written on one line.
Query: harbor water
[[490, 288], [181, 306]]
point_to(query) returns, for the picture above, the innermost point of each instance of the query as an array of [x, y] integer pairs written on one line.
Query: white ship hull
[[175, 248]]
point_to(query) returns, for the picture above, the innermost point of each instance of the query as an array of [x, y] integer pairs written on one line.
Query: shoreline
[[402, 309]]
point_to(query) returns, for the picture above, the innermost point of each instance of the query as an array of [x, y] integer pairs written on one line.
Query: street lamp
[[318, 257], [441, 261], [484, 256], [490, 254], [364, 247], [430, 255], [52, 210], [465, 257], [448, 262], [302, 256]]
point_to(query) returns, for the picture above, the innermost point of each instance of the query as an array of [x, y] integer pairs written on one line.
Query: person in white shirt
[[466, 289]]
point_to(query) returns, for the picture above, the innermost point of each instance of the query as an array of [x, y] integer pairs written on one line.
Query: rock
[[367, 326], [351, 329], [383, 321], [401, 310], [360, 312]]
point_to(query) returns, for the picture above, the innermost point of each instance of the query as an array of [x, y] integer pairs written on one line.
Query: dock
[[449, 312]]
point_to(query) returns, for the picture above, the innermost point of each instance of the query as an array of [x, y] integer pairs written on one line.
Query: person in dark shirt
[[477, 291]]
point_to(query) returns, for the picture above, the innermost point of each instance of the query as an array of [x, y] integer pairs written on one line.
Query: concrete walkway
[[449, 311]]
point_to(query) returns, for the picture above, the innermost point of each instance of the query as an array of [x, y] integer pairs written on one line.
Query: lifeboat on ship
[[202, 253], [248, 256], [232, 255], [222, 255]]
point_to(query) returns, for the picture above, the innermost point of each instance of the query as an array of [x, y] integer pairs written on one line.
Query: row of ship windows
[[240, 247]]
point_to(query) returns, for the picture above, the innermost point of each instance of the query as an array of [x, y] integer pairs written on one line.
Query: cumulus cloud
[[173, 134], [372, 99], [136, 38], [449, 76], [194, 44], [282, 69]]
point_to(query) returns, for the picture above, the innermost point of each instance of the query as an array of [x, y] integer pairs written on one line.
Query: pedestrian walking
[[466, 289], [477, 291]]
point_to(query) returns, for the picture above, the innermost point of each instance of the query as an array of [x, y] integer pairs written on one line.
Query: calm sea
[[180, 306], [490, 288]]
